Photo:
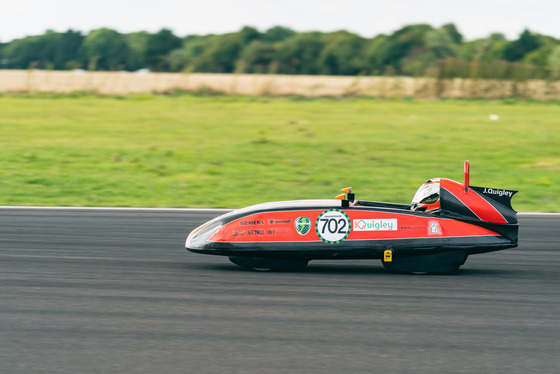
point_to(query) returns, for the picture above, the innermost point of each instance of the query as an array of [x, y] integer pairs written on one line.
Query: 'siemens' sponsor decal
[[388, 224], [252, 222]]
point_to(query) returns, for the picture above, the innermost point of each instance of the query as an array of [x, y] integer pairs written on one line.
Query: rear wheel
[[268, 264]]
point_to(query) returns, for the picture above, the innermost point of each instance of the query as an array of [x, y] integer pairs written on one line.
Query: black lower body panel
[[363, 249], [442, 262]]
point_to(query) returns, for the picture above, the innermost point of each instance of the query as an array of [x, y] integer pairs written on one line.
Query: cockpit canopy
[[427, 196]]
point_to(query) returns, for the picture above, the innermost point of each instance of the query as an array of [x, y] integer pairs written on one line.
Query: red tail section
[[479, 203]]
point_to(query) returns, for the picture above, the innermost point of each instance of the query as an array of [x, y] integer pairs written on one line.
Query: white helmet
[[427, 196]]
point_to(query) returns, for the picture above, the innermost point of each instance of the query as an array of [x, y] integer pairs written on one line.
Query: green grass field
[[190, 151]]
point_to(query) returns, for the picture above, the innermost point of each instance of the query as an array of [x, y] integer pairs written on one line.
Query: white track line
[[180, 209], [117, 208]]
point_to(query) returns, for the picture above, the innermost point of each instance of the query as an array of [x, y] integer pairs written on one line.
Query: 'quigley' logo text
[[492, 191], [374, 224]]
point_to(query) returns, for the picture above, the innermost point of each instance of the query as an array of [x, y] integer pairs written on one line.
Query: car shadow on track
[[345, 267], [335, 269]]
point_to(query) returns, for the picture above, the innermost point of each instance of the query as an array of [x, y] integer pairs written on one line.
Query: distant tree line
[[414, 50]]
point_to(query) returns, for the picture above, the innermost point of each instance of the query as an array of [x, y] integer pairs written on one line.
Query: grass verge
[[220, 151]]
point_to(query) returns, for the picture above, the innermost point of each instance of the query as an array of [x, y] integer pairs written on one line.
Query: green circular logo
[[303, 225]]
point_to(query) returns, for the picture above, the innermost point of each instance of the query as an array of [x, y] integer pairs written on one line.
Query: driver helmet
[[427, 196]]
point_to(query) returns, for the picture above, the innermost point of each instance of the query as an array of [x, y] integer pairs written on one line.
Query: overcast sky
[[473, 18]]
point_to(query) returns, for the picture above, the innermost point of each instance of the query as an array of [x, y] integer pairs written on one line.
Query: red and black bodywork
[[286, 235]]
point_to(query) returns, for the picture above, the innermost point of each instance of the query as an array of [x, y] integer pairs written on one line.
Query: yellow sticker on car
[[388, 255]]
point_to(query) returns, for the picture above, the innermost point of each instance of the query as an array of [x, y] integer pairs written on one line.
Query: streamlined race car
[[446, 222]]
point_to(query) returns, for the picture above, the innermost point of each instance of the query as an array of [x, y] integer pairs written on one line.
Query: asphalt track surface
[[114, 291]]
